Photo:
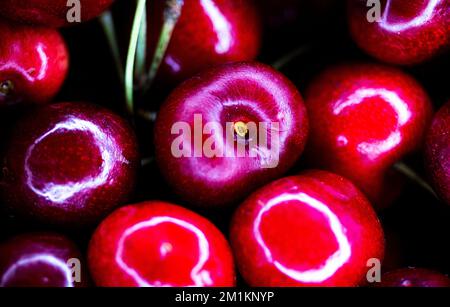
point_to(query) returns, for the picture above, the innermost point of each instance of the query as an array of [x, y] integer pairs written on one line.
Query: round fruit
[[315, 229], [52, 13], [437, 152], [405, 32], [364, 119], [228, 131], [33, 64], [159, 244], [69, 164], [208, 33], [40, 260]]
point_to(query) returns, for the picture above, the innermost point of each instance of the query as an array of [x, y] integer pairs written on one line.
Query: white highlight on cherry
[[199, 276], [374, 149], [332, 264], [59, 193], [36, 258], [221, 26], [421, 19]]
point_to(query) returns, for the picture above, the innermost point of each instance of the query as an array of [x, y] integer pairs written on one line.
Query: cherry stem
[[107, 22], [172, 14], [131, 56], [415, 177], [289, 57]]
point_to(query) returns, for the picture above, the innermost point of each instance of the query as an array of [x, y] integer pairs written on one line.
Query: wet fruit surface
[[40, 260], [69, 164], [213, 167], [159, 244], [315, 229], [33, 64], [364, 118], [404, 34]]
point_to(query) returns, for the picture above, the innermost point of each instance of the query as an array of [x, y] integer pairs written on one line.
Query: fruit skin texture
[[208, 33], [69, 164], [159, 244], [364, 118], [39, 260], [238, 92], [314, 229], [34, 61], [409, 33], [413, 277], [50, 13], [437, 152]]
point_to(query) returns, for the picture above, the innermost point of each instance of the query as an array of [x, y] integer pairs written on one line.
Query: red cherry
[[159, 244], [230, 98], [412, 277], [208, 33], [51, 13], [437, 152], [407, 33], [33, 64], [40, 260], [69, 164], [364, 118], [315, 229]]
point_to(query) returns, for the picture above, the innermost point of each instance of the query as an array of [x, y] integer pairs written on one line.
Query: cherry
[[33, 64], [314, 229], [437, 152], [51, 13], [40, 260], [69, 164], [228, 131], [364, 118], [208, 33], [412, 277], [407, 32], [159, 244]]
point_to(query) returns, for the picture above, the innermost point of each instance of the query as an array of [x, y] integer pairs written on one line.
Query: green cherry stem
[[172, 13], [131, 55], [107, 22], [414, 177]]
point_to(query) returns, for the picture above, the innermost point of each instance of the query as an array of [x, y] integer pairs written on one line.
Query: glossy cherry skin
[[364, 118], [50, 13], [228, 95], [208, 33], [413, 277], [314, 229], [408, 33], [437, 152], [33, 64], [69, 164], [154, 244], [40, 260]]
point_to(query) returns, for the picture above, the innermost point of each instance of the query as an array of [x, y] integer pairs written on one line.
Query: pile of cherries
[[138, 214]]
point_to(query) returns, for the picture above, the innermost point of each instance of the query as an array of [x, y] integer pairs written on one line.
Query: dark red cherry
[[52, 13], [315, 229], [407, 32], [33, 64], [411, 277], [41, 260], [364, 118], [437, 152], [159, 244], [208, 33], [228, 131], [69, 164]]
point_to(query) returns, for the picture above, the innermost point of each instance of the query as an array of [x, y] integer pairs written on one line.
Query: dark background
[[417, 226]]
